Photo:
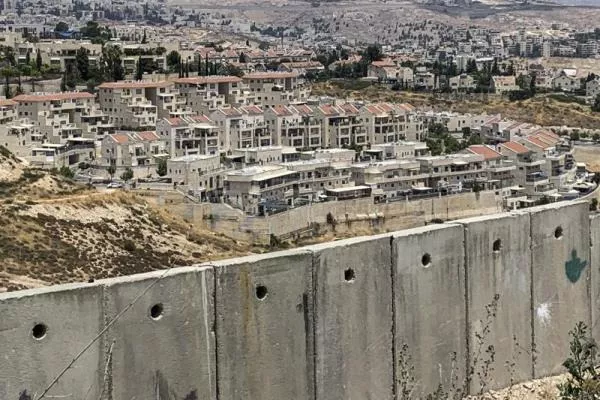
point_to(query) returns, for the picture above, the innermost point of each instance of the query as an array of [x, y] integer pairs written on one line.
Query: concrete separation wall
[[370, 317]]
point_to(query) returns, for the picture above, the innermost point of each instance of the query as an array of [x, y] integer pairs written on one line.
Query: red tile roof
[[200, 80], [175, 121], [53, 96], [6, 103], [134, 84], [487, 152], [537, 142], [516, 147], [120, 138], [148, 136], [252, 110], [303, 109], [281, 110], [200, 118]]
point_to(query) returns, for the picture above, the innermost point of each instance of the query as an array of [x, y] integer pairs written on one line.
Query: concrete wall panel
[[72, 317], [164, 344], [354, 319], [430, 305], [264, 327], [498, 257], [595, 275], [561, 280]]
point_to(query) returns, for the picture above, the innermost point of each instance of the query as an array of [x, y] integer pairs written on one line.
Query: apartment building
[[567, 81], [592, 89], [462, 83], [341, 125], [21, 136], [294, 126], [8, 111], [316, 175], [205, 94], [138, 104], [199, 173], [250, 187], [396, 151], [275, 88], [390, 179], [189, 135], [530, 172], [500, 170], [56, 115], [461, 170], [385, 122], [241, 127], [132, 149]]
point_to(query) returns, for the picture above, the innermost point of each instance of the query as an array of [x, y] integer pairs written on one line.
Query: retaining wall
[[347, 319]]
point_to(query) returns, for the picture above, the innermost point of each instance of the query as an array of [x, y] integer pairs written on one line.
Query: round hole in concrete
[[558, 232], [39, 331], [497, 246], [156, 311], [349, 275], [426, 260], [261, 292]]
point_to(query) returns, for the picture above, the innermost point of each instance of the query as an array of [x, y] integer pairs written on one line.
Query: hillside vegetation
[[54, 231], [547, 110]]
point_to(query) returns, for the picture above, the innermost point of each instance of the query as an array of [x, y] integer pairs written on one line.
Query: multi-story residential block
[[8, 111], [276, 88], [133, 149], [396, 151], [205, 94], [294, 126], [201, 174], [56, 115], [241, 127], [192, 135], [529, 173], [138, 104], [390, 179], [341, 125], [251, 187], [461, 170], [384, 122], [500, 170], [317, 174]]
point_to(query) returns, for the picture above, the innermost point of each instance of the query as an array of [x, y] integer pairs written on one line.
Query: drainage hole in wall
[[39, 331], [497, 246], [156, 311], [558, 232], [261, 292], [426, 260], [349, 275]]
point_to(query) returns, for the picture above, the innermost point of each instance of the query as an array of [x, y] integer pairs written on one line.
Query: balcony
[[537, 177]]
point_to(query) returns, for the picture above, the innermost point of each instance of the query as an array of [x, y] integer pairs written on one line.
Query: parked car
[[114, 185]]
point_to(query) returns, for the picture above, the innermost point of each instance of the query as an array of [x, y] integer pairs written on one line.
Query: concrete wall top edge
[[490, 217], [152, 275], [254, 258], [425, 229], [553, 206], [99, 283], [348, 242], [45, 290]]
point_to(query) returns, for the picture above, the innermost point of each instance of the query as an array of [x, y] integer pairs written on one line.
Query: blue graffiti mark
[[574, 267]]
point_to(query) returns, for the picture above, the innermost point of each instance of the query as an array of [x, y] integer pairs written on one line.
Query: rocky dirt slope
[[54, 231]]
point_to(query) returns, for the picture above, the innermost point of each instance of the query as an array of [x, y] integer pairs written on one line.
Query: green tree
[[111, 63], [38, 60], [66, 172], [61, 27], [161, 168], [144, 40], [596, 137], [139, 72], [127, 175], [372, 53], [575, 136], [28, 57], [83, 63], [111, 169], [173, 60]]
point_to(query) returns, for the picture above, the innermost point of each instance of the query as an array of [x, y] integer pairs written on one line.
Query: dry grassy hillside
[[542, 110], [54, 231]]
